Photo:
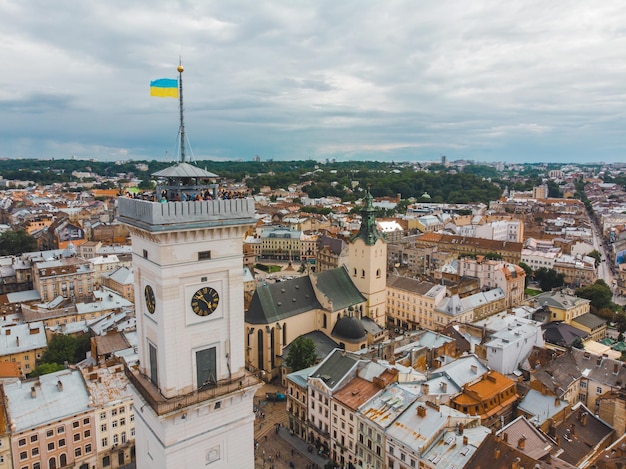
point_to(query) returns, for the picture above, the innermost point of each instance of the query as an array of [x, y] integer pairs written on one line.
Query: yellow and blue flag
[[164, 88]]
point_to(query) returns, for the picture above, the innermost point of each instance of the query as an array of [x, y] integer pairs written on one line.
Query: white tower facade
[[193, 396], [367, 263]]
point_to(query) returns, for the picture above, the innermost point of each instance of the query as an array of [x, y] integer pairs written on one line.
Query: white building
[[193, 396], [512, 341]]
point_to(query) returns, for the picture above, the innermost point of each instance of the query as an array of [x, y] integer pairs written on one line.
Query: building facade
[[193, 396]]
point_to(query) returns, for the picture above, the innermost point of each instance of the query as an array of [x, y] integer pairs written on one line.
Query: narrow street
[[276, 447]]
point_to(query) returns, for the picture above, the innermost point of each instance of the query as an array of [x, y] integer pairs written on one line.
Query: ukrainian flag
[[164, 88]]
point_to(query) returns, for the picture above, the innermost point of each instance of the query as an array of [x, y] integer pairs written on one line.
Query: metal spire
[[182, 120]]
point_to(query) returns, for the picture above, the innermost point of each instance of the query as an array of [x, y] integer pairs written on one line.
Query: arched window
[[63, 460], [284, 334], [354, 272], [52, 463], [325, 321], [378, 273], [362, 273]]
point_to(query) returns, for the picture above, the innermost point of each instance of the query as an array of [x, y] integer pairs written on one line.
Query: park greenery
[[62, 350], [549, 279]]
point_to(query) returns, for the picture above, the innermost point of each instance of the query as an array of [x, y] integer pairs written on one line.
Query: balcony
[[162, 405]]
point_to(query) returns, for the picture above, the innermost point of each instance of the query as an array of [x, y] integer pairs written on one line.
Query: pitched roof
[[560, 333], [335, 368], [590, 320], [579, 433], [277, 301], [337, 286], [412, 285], [274, 302], [356, 392], [535, 443]]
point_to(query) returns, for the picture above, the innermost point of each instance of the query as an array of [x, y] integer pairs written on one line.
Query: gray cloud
[[484, 80]]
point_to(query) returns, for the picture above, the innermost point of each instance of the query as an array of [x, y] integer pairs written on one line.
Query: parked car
[[274, 396]]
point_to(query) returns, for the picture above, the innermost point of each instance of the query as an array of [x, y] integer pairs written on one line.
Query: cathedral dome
[[349, 328], [69, 251]]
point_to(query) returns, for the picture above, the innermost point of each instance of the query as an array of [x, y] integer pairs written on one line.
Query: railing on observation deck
[[162, 405], [144, 212]]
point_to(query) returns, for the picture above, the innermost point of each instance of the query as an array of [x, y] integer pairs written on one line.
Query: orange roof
[[356, 392], [492, 384], [430, 237], [9, 370]]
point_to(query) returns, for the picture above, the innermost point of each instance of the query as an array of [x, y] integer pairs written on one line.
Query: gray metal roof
[[335, 368], [541, 406], [184, 170], [51, 402]]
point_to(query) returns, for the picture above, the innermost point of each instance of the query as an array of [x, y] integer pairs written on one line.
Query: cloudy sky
[[386, 80]]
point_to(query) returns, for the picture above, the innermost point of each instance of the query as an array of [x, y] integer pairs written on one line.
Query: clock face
[[148, 293], [205, 301]]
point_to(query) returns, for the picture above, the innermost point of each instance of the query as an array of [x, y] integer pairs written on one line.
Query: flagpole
[[182, 121]]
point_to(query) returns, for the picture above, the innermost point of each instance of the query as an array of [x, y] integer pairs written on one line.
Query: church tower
[[192, 395], [367, 263]]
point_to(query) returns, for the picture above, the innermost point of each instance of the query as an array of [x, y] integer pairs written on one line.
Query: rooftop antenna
[[181, 130]]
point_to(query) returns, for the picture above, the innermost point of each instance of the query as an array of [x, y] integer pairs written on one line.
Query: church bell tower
[[367, 262]]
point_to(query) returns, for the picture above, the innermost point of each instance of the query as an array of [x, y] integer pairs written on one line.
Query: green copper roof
[[369, 231]]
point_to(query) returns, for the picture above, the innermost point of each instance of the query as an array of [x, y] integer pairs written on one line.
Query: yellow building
[[23, 344], [562, 307], [411, 303]]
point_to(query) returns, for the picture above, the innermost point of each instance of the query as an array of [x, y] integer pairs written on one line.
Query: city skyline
[[316, 80]]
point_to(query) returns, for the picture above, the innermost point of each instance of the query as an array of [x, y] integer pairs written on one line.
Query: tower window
[[378, 273], [363, 273], [354, 272], [204, 255], [145, 253]]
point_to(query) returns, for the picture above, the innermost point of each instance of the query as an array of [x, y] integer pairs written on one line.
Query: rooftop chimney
[[583, 419], [33, 392], [465, 440], [515, 463], [496, 453], [59, 385], [521, 443], [572, 429], [505, 437], [421, 411]]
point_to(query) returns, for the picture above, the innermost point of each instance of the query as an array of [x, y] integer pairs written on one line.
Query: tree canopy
[[549, 279], [66, 348], [301, 354], [599, 294], [14, 243]]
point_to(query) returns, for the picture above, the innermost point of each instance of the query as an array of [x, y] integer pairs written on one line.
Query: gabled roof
[[337, 286], [535, 443], [277, 301], [580, 433], [335, 368], [274, 302], [560, 333], [541, 406]]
